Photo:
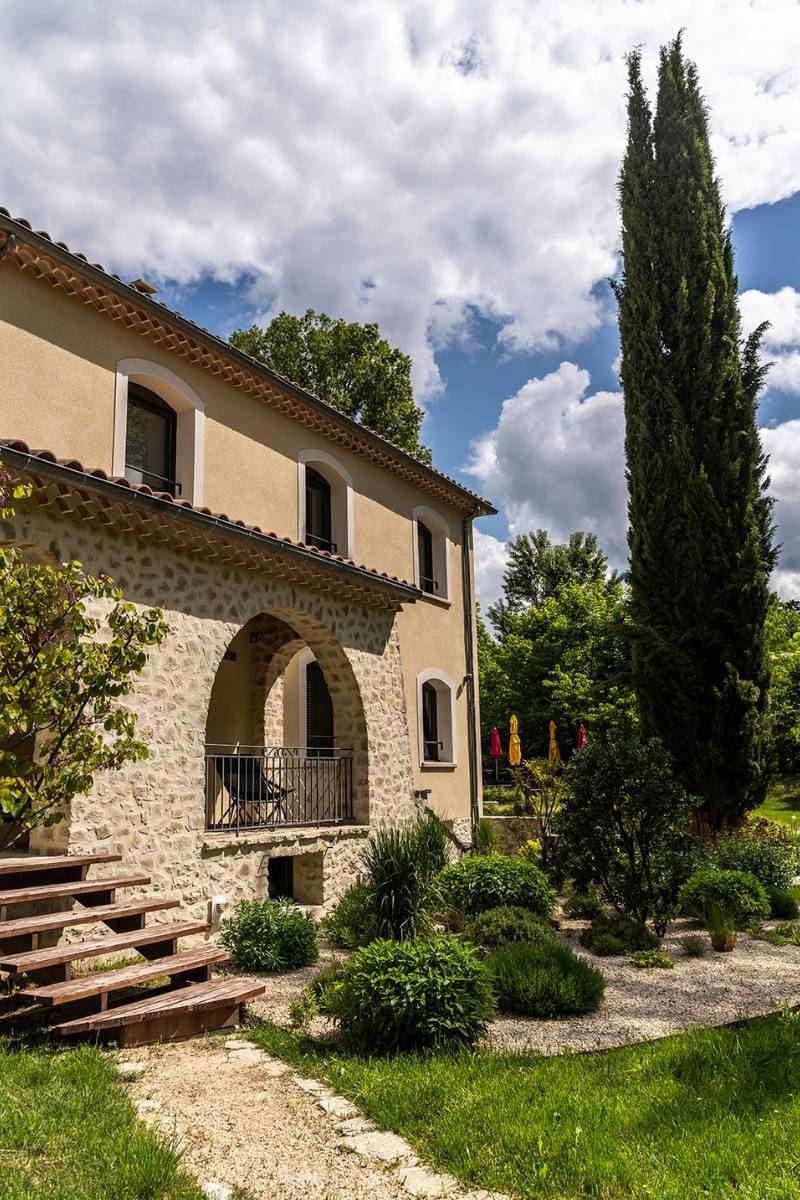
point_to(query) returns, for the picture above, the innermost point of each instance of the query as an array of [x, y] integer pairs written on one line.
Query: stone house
[[320, 674]]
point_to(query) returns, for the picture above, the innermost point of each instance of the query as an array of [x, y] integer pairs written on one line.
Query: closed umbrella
[[514, 744], [495, 749], [580, 741], [553, 752]]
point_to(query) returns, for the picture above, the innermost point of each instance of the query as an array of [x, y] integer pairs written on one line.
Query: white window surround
[[341, 483], [190, 438], [446, 718], [441, 551]]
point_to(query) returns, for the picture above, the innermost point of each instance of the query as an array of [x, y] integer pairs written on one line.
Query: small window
[[150, 441], [430, 724], [318, 511], [425, 547]]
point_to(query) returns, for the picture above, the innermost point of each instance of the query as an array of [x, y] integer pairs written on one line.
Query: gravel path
[[639, 1005]]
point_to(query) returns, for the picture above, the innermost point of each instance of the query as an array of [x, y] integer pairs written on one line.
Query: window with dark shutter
[[319, 713], [430, 723], [318, 511], [150, 441], [425, 545]]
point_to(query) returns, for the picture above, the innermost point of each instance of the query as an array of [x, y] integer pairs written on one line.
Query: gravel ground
[[639, 1005]]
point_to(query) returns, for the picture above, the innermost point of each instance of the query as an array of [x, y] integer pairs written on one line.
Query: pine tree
[[700, 518]]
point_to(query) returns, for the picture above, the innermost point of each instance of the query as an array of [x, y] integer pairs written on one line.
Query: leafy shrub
[[773, 861], [624, 826], [413, 995], [540, 793], [501, 926], [607, 936], [270, 935], [785, 934], [693, 945], [584, 906], [544, 981], [728, 896], [351, 921], [782, 904], [313, 998], [651, 958], [495, 794], [401, 864], [486, 840], [531, 850], [493, 881]]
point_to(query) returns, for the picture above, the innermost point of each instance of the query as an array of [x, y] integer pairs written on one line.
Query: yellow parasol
[[514, 744], [553, 752]]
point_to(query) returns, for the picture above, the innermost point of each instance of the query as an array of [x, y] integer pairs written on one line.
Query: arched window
[[436, 719], [431, 553], [325, 503], [158, 430]]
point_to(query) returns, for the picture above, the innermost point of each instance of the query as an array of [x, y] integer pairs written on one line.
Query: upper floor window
[[325, 503], [318, 511], [150, 437], [158, 430], [431, 553], [436, 719]]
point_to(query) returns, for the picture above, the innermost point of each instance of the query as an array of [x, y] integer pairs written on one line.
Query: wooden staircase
[[172, 994]]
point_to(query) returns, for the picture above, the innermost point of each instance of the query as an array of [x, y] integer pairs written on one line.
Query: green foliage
[[583, 906], [783, 647], [269, 935], [497, 927], [624, 826], [651, 958], [536, 570], [351, 921], [402, 864], [346, 364], [498, 795], [773, 861], [486, 840], [313, 999], [483, 881], [548, 980], [541, 787], [414, 995], [693, 945], [63, 674], [531, 849], [700, 516], [607, 936], [785, 934], [782, 903], [733, 897]]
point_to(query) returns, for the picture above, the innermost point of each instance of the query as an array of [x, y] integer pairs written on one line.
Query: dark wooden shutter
[[319, 713], [318, 510], [425, 546], [430, 723], [150, 441]]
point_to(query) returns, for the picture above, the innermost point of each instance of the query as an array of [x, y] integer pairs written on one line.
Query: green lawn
[[69, 1132], [783, 801], [710, 1113]]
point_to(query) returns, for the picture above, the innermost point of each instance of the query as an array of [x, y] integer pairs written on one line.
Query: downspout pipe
[[468, 592]]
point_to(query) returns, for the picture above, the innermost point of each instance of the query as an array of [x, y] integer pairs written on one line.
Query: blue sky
[[446, 168]]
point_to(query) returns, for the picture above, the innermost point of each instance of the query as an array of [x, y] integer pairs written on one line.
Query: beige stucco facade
[[65, 369]]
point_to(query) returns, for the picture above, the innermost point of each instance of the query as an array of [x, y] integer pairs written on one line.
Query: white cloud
[[491, 556], [555, 460], [782, 339], [447, 155], [782, 444]]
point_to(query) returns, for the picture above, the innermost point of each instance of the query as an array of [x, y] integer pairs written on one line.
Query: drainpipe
[[468, 594]]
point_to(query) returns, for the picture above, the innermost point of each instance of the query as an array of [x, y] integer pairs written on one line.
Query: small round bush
[[584, 906], [617, 935], [782, 904], [502, 926], [545, 981], [351, 921], [735, 893], [415, 995], [483, 881], [270, 935], [773, 862], [651, 958], [693, 945]]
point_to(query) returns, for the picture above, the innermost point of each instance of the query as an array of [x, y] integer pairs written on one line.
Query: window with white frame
[[431, 535], [158, 430], [436, 719], [325, 503]]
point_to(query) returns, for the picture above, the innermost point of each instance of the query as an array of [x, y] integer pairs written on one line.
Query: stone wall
[[513, 832], [153, 812]]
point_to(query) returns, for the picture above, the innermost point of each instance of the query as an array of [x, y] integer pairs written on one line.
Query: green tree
[[346, 364], [783, 643], [63, 673], [538, 567], [700, 519]]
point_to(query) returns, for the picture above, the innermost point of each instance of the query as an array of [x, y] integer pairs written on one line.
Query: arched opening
[[285, 734], [436, 719], [431, 552]]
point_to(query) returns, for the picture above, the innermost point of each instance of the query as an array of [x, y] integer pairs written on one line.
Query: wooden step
[[114, 915], [23, 865], [62, 891], [177, 1013], [103, 982], [152, 936]]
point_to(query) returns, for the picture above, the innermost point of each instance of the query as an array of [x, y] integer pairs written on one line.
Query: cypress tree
[[700, 519]]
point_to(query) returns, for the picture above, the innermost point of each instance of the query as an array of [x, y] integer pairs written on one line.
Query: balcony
[[270, 787]]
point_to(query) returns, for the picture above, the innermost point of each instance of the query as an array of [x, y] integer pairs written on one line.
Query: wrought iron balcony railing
[[263, 787]]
